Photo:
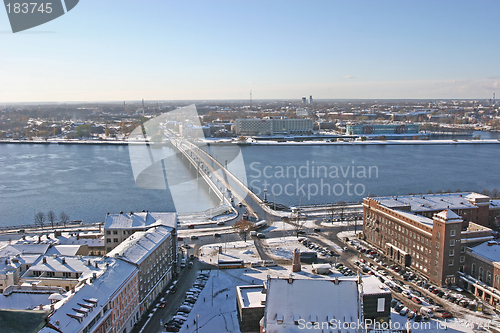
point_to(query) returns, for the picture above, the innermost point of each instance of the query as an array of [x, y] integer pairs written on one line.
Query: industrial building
[[381, 129], [273, 126]]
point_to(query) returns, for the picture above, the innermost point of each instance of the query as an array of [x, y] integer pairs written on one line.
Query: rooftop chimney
[[296, 261]]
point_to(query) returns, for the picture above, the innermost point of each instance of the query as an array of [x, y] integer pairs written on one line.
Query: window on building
[[451, 262], [473, 270], [452, 233], [488, 278], [452, 252], [496, 282], [438, 235], [437, 254], [462, 259], [481, 274], [108, 232], [462, 249], [108, 240], [115, 240], [115, 232], [452, 242]]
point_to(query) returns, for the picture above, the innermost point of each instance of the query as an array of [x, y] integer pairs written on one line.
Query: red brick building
[[427, 233]]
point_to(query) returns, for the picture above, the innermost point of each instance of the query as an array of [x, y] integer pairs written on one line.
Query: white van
[[426, 311]]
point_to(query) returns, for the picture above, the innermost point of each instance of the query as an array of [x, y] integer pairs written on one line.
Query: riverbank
[[260, 142], [354, 142]]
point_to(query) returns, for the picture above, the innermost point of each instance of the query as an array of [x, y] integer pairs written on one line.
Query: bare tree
[[298, 222], [40, 219], [243, 228], [63, 218], [51, 217]]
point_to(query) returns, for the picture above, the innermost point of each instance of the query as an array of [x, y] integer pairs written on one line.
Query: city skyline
[[280, 50]]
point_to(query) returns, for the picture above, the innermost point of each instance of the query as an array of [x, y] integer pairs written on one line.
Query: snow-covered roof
[[11, 263], [416, 217], [309, 300], [69, 239], [56, 263], [65, 250], [432, 202], [99, 291], [139, 245], [251, 296], [140, 220], [372, 286], [449, 215], [488, 250], [23, 301], [14, 249]]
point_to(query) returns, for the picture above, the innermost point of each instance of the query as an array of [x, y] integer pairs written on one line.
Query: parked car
[[416, 300], [406, 293], [404, 311]]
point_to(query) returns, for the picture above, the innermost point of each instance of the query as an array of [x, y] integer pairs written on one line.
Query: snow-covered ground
[[230, 251], [283, 248]]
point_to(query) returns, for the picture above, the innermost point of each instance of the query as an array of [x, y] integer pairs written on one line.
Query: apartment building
[[66, 272], [118, 227], [108, 303], [154, 253], [425, 232]]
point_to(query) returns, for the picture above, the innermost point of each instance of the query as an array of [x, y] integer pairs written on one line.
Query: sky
[[115, 50]]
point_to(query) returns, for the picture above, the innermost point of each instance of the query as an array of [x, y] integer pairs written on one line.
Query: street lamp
[[197, 319]]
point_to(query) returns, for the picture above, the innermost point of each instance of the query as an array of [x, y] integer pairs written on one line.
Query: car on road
[[261, 235], [404, 311], [394, 303], [397, 289], [220, 223], [444, 315], [317, 230], [416, 300], [301, 232], [406, 293], [193, 237], [171, 328], [216, 235]]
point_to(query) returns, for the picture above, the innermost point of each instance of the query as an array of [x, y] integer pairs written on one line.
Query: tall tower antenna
[[143, 107]]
